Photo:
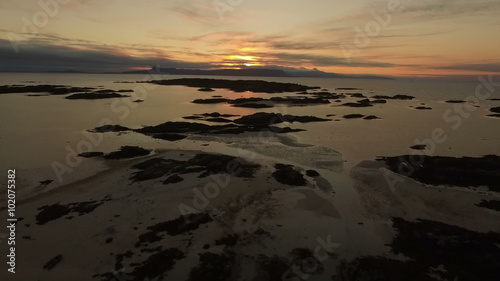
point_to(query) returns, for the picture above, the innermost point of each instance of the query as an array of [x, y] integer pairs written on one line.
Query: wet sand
[[257, 196]]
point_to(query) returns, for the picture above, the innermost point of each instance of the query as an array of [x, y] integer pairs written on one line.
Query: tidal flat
[[238, 179]]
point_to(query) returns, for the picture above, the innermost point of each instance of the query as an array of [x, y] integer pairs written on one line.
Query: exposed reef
[[443, 170], [256, 86]]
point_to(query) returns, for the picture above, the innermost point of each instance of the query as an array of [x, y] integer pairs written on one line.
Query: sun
[[251, 64], [247, 58], [239, 61]]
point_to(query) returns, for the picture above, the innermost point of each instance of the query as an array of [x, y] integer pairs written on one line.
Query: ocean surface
[[38, 131]]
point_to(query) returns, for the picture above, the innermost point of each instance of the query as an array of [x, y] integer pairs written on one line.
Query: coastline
[[347, 210], [171, 195]]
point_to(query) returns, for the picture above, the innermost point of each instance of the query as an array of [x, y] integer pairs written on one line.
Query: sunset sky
[[410, 38]]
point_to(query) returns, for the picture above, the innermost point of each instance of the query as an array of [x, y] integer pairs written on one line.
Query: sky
[[423, 38]]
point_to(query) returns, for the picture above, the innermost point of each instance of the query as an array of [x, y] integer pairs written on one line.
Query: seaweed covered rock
[[263, 118], [287, 174], [256, 86], [127, 152], [444, 170]]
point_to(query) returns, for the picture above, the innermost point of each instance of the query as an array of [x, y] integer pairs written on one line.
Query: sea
[[40, 134]]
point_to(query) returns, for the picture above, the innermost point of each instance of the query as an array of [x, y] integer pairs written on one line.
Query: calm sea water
[[36, 132]]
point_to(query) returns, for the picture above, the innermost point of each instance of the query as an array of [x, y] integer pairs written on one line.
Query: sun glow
[[246, 58], [238, 61]]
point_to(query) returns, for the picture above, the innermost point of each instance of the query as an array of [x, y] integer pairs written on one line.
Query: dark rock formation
[[495, 109], [256, 86], [169, 128], [216, 267], [229, 240], [360, 103], [178, 226], [203, 163], [492, 204], [357, 95], [254, 105], [455, 101], [156, 265], [428, 245], [299, 101], [441, 170], [95, 96], [212, 117], [211, 101], [265, 103], [312, 173], [109, 128], [49, 89], [324, 95], [91, 154], [46, 182], [419, 147], [423, 108], [217, 114], [286, 174], [353, 116], [266, 119], [173, 179], [348, 89], [169, 137], [206, 90], [154, 168], [395, 97], [52, 212], [127, 152], [53, 262]]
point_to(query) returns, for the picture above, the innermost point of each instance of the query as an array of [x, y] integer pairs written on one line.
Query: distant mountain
[[321, 74], [215, 72], [272, 71], [255, 72], [66, 71]]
